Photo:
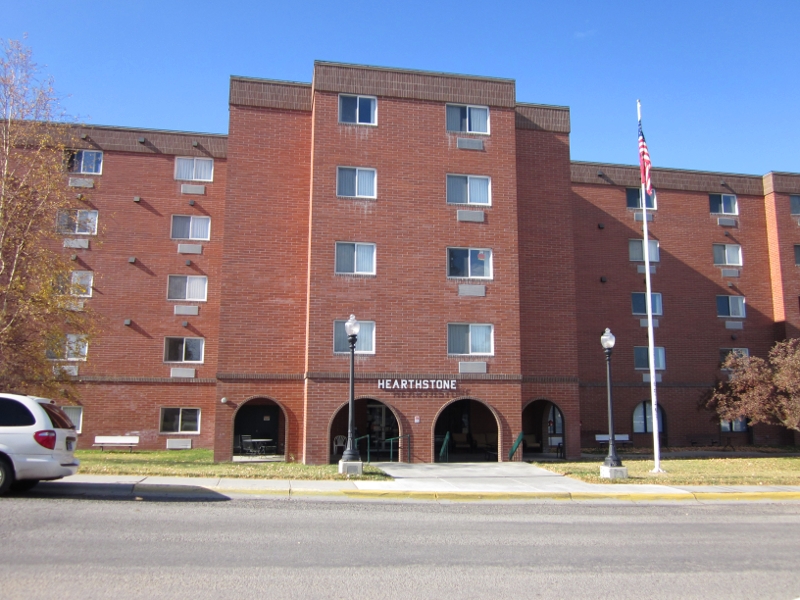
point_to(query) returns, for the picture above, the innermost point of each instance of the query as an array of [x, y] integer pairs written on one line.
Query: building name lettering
[[417, 384]]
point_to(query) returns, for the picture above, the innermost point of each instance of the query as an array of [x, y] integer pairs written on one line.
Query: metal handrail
[[355, 441], [516, 445], [444, 453], [391, 447]]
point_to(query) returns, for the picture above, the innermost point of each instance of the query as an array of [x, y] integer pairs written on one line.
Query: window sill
[[178, 433], [356, 197], [356, 275], [480, 133], [348, 123]]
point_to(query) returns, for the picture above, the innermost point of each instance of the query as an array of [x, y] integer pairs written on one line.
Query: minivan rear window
[[15, 414], [58, 417]]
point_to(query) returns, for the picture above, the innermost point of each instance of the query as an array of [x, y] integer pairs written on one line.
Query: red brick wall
[[689, 329], [264, 267], [129, 360]]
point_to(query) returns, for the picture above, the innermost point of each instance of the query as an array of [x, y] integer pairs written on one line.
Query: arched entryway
[[372, 417], [259, 430], [471, 430], [543, 429]]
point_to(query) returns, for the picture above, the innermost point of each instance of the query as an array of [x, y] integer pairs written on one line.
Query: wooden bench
[[116, 441], [703, 440], [620, 439]]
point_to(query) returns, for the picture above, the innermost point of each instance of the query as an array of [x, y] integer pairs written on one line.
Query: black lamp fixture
[[350, 454], [607, 340]]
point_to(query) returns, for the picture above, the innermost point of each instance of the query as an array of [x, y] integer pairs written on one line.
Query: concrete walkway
[[454, 481]]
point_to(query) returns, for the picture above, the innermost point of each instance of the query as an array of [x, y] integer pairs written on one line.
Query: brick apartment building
[[482, 263]]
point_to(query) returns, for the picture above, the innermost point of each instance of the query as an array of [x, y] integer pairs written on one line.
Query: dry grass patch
[[692, 471], [200, 463]]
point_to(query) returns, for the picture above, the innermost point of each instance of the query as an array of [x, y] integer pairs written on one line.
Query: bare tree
[[763, 391], [38, 316]]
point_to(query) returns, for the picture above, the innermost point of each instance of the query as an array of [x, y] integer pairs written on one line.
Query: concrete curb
[[512, 496]]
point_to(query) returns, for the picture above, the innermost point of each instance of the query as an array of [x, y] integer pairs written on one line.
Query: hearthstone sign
[[417, 384]]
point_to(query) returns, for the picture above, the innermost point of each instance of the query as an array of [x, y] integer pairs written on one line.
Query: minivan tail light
[[46, 439]]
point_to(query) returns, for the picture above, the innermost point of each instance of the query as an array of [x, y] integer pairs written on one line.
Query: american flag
[[644, 162]]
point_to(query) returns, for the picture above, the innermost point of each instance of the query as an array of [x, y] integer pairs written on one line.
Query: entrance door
[[381, 425], [260, 422]]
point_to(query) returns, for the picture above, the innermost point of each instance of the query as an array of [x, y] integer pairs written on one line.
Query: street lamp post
[[612, 467], [351, 454]]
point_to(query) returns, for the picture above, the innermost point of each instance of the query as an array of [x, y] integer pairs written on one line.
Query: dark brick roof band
[[668, 179], [99, 137], [543, 118], [782, 183], [419, 85], [266, 93]]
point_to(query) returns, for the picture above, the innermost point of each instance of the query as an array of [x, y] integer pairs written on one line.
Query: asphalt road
[[274, 549]]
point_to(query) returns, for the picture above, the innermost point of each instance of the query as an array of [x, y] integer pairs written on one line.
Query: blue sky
[[718, 81]]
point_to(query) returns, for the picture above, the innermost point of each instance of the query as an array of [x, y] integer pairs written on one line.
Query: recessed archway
[[474, 432], [259, 430], [372, 417], [543, 428]]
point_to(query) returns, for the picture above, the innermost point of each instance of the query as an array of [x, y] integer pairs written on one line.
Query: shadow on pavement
[[126, 492]]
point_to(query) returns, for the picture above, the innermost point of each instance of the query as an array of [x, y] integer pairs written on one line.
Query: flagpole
[[650, 333]]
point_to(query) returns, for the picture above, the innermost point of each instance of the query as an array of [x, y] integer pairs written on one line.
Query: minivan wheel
[[23, 485], [6, 476]]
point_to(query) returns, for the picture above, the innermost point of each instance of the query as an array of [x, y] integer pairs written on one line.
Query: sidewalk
[[454, 482]]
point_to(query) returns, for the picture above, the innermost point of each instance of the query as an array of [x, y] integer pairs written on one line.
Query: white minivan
[[37, 441]]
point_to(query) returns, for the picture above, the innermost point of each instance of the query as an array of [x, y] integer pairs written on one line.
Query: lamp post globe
[[607, 340], [351, 454]]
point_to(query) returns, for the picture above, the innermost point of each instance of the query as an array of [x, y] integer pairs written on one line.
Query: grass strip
[[689, 471], [200, 463]]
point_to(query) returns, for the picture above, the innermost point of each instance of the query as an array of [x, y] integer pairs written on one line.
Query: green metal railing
[[391, 447], [516, 445], [355, 441], [444, 453]]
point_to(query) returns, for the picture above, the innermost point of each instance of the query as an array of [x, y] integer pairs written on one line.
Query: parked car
[[37, 441]]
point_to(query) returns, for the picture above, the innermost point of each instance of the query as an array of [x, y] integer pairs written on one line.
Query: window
[[194, 169], [365, 342], [180, 420], [723, 204], [15, 414], [187, 287], [356, 259], [639, 303], [81, 284], [641, 361], [358, 109], [74, 347], [83, 222], [636, 250], [728, 254], [468, 189], [87, 162], [737, 425], [634, 198], [468, 119], [75, 414], [465, 338], [190, 228], [356, 183], [797, 256], [725, 352], [643, 418], [469, 262], [794, 204], [178, 349], [730, 306]]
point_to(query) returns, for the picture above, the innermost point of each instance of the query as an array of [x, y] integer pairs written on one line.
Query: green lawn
[[200, 463], [691, 471]]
